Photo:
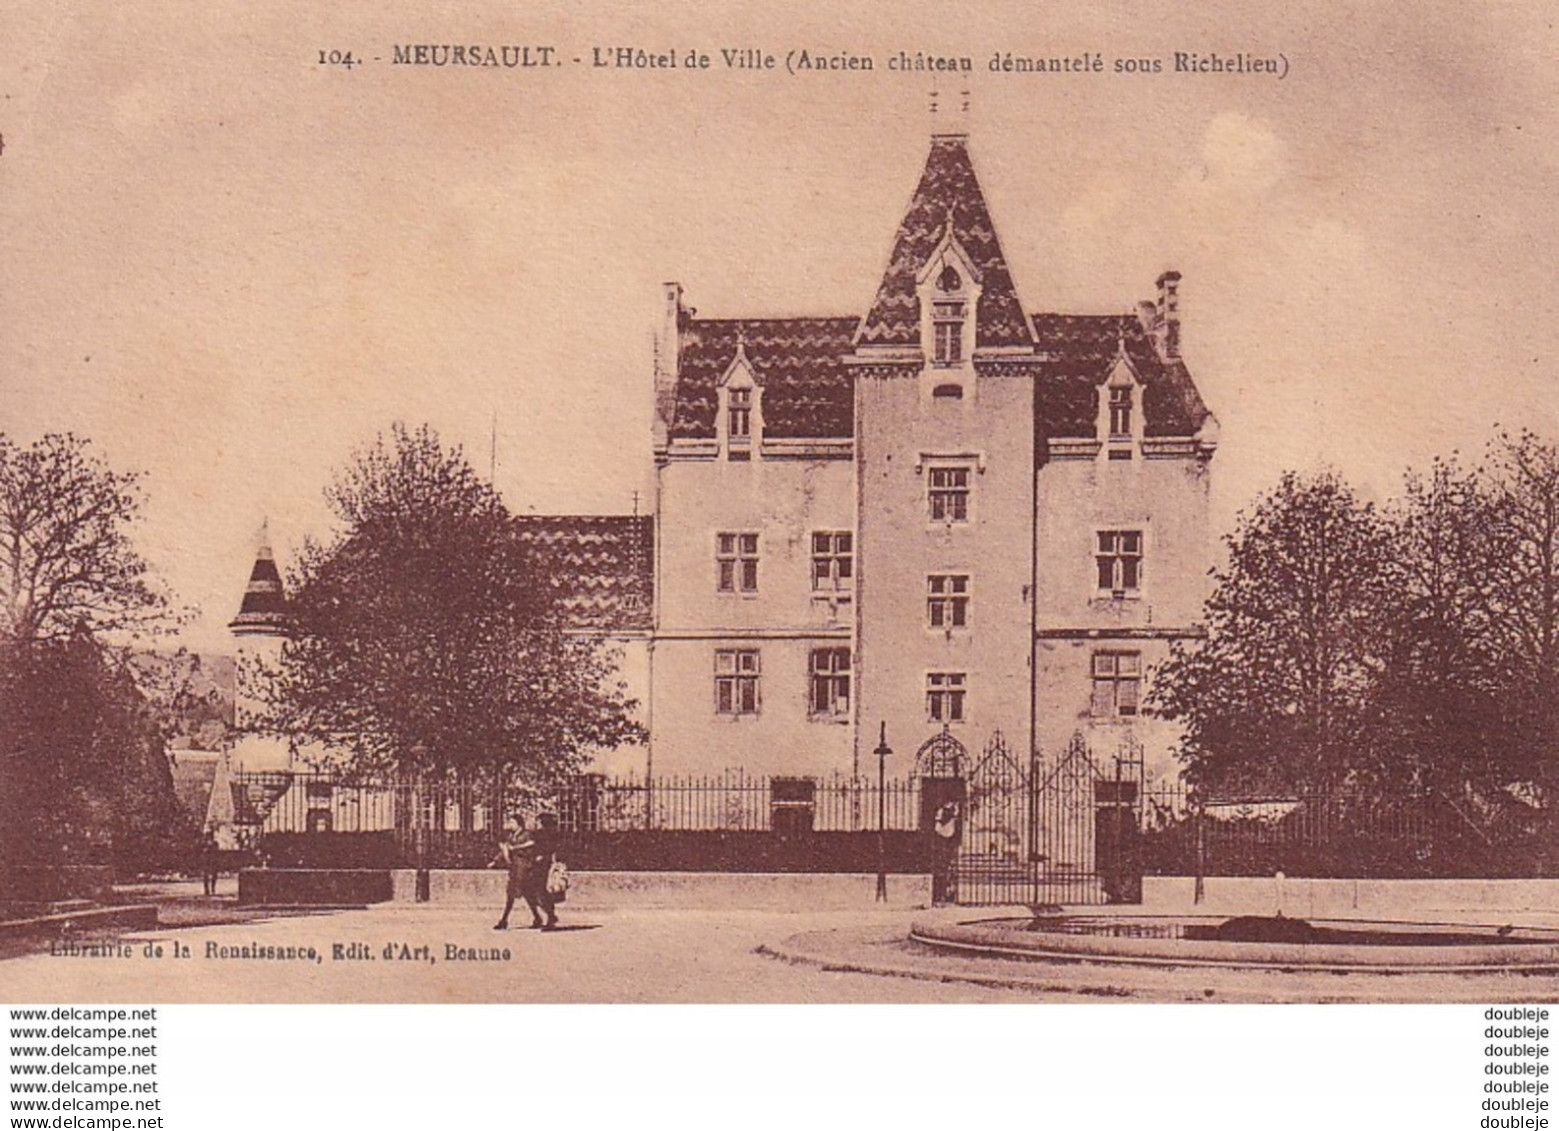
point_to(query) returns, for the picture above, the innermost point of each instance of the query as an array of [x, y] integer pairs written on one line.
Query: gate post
[[1033, 822], [1200, 832]]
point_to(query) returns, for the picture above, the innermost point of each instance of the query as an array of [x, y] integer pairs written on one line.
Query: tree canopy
[[1410, 646], [1275, 693], [82, 745], [427, 637], [83, 754], [66, 560]]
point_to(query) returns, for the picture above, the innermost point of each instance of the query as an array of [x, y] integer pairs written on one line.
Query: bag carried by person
[[557, 881]]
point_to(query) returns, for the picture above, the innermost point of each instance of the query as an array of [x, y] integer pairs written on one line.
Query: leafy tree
[[1442, 696], [66, 560], [427, 638], [1523, 478], [1281, 692], [82, 755]]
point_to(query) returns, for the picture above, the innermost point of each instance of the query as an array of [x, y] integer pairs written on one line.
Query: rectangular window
[[947, 600], [833, 561], [1119, 562], [739, 416], [736, 563], [736, 681], [1120, 410], [1117, 684], [949, 340], [830, 697], [948, 492], [945, 697], [947, 323]]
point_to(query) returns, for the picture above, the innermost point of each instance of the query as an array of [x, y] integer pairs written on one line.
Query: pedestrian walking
[[543, 855], [516, 852], [210, 861]]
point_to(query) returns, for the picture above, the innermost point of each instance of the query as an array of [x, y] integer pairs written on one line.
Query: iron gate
[[1042, 833], [994, 863]]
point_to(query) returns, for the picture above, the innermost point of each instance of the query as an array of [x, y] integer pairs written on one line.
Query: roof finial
[[933, 107]]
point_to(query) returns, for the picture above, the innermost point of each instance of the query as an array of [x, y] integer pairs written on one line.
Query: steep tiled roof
[[264, 608], [948, 187], [602, 565], [807, 391], [797, 361], [1083, 348]]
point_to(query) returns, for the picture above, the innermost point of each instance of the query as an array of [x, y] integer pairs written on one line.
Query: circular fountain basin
[[1250, 943]]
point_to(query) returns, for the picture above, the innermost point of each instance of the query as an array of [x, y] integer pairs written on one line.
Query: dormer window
[[739, 423], [739, 414], [949, 320], [1120, 407]]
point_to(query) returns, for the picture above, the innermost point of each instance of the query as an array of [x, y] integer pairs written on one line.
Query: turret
[[264, 608]]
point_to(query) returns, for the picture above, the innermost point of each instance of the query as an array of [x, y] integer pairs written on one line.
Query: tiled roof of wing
[[797, 361], [1081, 351], [602, 566]]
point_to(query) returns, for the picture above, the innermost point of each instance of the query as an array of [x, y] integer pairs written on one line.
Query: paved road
[[608, 956], [401, 953]]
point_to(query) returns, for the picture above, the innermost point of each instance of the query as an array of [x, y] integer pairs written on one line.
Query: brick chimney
[[1168, 315], [668, 353]]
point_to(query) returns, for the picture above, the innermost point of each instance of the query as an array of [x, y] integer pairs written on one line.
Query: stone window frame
[[948, 601], [1124, 565], [738, 682], [830, 685], [1116, 676], [946, 697], [737, 553]]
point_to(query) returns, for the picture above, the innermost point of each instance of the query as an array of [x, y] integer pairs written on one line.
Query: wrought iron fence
[[736, 801], [1023, 828], [450, 823], [1340, 834]]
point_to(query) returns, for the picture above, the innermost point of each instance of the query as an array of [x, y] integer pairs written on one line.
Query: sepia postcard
[[809, 503]]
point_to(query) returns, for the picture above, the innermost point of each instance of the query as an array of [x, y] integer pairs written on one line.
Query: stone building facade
[[948, 511]]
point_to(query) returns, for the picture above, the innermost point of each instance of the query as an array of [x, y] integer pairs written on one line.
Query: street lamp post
[[882, 752]]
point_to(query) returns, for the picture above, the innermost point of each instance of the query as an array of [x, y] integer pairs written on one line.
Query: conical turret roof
[[264, 608]]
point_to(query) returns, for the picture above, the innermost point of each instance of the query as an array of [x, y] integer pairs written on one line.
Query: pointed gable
[[948, 192]]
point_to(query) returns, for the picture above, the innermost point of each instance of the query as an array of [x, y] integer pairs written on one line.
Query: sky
[[230, 267]]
